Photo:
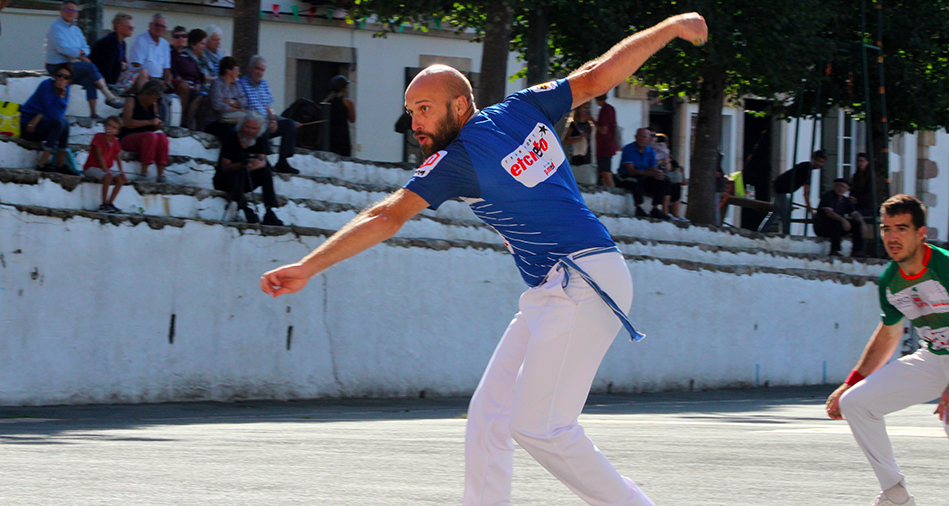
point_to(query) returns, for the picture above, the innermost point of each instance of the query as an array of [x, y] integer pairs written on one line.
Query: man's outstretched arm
[[372, 226], [598, 76]]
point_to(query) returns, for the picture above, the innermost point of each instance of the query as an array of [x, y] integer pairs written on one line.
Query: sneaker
[[115, 103], [105, 208], [883, 500], [271, 219], [284, 168], [161, 179], [640, 213], [250, 215], [113, 209], [658, 214]]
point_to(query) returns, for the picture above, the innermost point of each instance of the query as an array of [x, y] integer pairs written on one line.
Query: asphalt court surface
[[772, 447]]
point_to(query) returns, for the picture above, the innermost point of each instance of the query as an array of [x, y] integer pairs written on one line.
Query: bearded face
[[446, 131]]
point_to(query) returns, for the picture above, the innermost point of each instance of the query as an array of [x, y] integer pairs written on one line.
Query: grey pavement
[[769, 447]]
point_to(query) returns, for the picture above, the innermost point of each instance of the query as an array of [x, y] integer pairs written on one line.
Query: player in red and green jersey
[[914, 287]]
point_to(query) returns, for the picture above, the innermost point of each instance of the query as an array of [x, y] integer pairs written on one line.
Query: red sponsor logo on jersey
[[537, 151]]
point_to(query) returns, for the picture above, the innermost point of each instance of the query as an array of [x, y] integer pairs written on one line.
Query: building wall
[[22, 44]]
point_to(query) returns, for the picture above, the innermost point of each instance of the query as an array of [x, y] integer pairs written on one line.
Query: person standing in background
[[342, 113], [605, 141]]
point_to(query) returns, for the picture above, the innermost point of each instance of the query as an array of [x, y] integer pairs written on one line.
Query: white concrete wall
[[86, 308]]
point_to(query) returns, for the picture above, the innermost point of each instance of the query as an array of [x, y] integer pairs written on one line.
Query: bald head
[[643, 137], [440, 102], [443, 83]]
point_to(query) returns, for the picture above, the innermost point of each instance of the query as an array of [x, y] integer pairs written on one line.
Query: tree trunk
[[538, 62], [90, 20], [881, 165], [494, 53], [246, 30], [705, 154]]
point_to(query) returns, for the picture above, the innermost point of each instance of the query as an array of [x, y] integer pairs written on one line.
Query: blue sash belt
[[570, 262]]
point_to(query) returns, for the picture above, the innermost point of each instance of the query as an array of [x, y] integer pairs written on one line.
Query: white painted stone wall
[[86, 310]]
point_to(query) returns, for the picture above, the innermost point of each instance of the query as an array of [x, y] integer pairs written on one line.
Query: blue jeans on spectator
[[53, 132], [287, 131], [85, 75]]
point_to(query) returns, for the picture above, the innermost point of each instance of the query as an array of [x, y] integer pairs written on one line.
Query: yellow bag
[[739, 181], [10, 119]]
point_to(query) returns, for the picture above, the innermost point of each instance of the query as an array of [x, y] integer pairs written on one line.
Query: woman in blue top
[[43, 116]]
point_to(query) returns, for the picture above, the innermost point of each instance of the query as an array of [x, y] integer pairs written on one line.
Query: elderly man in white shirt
[[65, 42], [152, 52]]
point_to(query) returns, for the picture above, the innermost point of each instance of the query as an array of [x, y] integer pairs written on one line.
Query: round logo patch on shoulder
[[548, 86], [430, 163]]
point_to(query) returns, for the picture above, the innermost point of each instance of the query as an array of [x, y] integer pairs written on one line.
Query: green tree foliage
[[490, 20], [754, 48]]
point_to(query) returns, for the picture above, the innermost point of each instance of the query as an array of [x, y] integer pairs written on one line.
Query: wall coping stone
[[160, 222]]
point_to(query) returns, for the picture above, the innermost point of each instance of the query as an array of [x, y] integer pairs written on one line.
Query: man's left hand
[[942, 409], [273, 126]]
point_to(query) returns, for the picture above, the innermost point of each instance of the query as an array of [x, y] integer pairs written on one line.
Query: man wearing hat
[[342, 113]]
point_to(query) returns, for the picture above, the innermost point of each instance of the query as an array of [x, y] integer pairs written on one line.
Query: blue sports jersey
[[508, 165]]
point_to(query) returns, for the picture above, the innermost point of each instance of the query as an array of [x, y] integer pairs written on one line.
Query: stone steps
[[359, 183], [29, 188]]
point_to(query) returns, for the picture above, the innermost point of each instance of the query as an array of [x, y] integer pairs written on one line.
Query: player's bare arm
[[598, 76], [877, 353], [372, 226]]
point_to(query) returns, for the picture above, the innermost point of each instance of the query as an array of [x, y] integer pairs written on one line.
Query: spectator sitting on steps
[[65, 43], [104, 152], [243, 167], [142, 131], [259, 99], [109, 52], [639, 173], [189, 70], [215, 53], [43, 117], [836, 217], [226, 100]]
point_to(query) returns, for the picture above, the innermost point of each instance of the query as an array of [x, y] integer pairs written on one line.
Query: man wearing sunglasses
[[65, 43]]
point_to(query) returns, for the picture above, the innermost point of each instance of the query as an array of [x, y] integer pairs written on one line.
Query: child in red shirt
[[103, 152]]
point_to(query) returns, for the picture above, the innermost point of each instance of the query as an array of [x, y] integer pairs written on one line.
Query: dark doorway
[[662, 115], [757, 156], [313, 78]]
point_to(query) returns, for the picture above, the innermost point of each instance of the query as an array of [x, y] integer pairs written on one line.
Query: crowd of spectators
[[147, 71], [215, 98]]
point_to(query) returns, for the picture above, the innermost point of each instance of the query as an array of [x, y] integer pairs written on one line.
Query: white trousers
[[537, 383], [913, 379]]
